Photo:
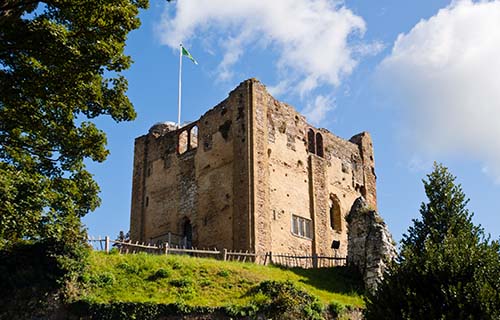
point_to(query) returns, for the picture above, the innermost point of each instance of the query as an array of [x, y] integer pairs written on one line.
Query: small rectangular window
[[301, 227]]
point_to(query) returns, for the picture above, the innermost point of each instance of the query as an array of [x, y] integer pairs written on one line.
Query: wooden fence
[[304, 261], [281, 259]]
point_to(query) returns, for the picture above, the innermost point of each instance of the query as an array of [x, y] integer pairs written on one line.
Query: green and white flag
[[182, 52], [187, 54]]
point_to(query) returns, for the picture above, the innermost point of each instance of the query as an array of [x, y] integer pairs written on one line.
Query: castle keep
[[250, 174]]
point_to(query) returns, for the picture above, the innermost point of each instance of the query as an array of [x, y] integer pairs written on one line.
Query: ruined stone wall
[[202, 179], [371, 246], [292, 181], [222, 174], [247, 175]]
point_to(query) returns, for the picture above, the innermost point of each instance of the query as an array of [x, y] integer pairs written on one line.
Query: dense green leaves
[[60, 64], [447, 269]]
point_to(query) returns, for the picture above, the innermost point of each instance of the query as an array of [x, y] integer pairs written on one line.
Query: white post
[[180, 87]]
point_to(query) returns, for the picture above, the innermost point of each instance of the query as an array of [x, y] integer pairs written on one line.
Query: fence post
[[106, 244], [270, 257], [315, 260], [223, 254]]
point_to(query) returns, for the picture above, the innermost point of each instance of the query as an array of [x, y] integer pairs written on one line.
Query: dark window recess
[[311, 147], [315, 143], [319, 145], [147, 201], [335, 214], [224, 129], [207, 142]]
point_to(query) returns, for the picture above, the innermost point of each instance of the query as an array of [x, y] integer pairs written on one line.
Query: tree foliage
[[60, 64], [447, 268]]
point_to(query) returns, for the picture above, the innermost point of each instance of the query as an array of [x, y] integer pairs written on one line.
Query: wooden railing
[[282, 259], [304, 261]]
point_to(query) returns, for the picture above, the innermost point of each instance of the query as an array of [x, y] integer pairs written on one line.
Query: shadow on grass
[[344, 280]]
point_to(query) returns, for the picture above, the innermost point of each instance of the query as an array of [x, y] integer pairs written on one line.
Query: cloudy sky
[[420, 76]]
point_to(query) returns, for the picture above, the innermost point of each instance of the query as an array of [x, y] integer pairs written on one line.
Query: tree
[[60, 64], [447, 268]]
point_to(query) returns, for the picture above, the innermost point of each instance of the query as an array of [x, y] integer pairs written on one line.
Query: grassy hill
[[38, 283], [204, 285]]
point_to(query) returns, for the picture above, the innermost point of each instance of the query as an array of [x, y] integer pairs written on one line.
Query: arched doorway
[[187, 234]]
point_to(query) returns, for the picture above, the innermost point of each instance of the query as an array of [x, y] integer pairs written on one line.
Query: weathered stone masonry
[[250, 174]]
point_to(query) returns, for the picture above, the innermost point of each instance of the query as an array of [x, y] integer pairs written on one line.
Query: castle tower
[[250, 174]]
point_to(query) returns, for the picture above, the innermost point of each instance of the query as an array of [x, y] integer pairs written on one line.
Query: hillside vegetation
[[203, 285]]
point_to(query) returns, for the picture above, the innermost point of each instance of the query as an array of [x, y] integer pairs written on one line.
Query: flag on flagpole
[[187, 54], [182, 52]]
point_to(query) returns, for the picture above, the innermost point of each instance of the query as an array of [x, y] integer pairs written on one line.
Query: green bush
[[131, 269], [131, 310], [224, 273], [283, 300], [159, 274], [181, 283], [30, 272], [336, 309]]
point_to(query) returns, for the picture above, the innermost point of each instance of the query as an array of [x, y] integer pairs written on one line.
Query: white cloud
[[317, 41], [317, 110], [444, 75]]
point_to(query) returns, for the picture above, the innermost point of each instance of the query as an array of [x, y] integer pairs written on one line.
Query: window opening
[[193, 138], [183, 142], [311, 147], [301, 227], [335, 213], [319, 145], [315, 143]]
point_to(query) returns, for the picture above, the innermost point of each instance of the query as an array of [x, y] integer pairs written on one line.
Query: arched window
[[335, 213], [311, 146], [182, 142], [319, 145], [315, 143], [193, 138]]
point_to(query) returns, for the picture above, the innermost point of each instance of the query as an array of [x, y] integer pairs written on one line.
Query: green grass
[[141, 278]]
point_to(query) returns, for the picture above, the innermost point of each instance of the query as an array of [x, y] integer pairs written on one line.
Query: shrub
[[159, 274], [283, 300], [181, 283], [131, 269], [224, 273], [336, 309]]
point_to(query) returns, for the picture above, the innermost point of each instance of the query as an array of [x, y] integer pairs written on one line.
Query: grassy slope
[[202, 282]]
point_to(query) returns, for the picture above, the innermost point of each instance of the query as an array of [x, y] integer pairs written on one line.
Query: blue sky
[[420, 76]]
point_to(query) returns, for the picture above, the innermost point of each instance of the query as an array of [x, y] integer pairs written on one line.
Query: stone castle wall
[[290, 180], [252, 173], [204, 186]]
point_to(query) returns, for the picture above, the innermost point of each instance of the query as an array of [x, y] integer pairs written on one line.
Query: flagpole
[[180, 87]]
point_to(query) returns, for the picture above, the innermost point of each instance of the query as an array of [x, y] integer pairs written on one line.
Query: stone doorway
[[187, 234]]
